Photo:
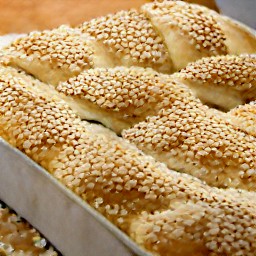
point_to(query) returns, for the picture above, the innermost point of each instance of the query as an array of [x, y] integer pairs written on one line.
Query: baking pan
[[68, 222]]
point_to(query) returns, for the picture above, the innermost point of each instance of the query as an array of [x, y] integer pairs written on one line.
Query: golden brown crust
[[192, 21], [222, 81], [52, 55], [240, 39], [128, 187], [19, 76], [238, 72], [164, 36], [164, 211], [198, 33], [131, 40], [120, 97], [195, 229], [190, 138]]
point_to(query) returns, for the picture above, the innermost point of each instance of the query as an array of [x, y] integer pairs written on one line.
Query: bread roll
[[223, 81], [120, 97], [152, 204], [191, 138], [164, 36]]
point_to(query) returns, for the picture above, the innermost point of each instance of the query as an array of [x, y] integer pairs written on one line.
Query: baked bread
[[191, 138], [166, 212], [145, 38], [223, 81], [18, 238], [120, 97], [52, 55], [196, 28]]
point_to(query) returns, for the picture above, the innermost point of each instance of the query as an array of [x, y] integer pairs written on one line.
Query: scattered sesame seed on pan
[[18, 238]]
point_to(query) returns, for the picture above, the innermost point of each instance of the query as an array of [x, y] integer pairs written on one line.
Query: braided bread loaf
[[166, 212], [165, 36], [120, 97], [218, 153]]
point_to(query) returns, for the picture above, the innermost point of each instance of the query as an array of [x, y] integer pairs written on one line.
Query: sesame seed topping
[[64, 49], [237, 72], [131, 38], [156, 206], [218, 151], [244, 116], [129, 94], [223, 81], [193, 21]]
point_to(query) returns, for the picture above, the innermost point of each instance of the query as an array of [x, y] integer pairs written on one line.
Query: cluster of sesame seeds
[[32, 123], [113, 176], [15, 76], [100, 170], [238, 72], [62, 48], [122, 184], [17, 237], [207, 146], [221, 227], [116, 89], [193, 21], [132, 92], [244, 116], [130, 36], [113, 179]]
